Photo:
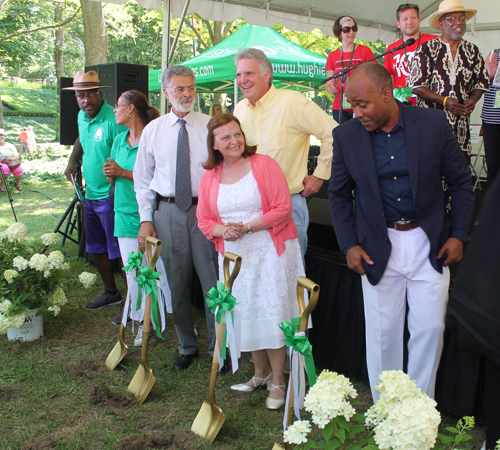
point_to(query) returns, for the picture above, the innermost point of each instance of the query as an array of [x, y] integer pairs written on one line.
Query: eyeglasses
[[180, 90], [452, 20], [348, 29], [118, 105], [88, 96]]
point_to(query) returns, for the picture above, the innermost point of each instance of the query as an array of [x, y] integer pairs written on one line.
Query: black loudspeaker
[[68, 109], [121, 78]]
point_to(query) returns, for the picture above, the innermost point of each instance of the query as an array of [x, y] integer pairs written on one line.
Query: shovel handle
[[230, 277], [313, 288], [152, 241]]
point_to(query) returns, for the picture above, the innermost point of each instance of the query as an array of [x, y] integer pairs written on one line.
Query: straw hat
[[86, 81], [450, 6]]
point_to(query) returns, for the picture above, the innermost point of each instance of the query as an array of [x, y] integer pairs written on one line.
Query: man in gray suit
[[167, 176]]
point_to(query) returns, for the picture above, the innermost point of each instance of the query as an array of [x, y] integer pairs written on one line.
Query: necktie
[[183, 196]]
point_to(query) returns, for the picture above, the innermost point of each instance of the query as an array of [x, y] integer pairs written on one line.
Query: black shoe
[[104, 300], [184, 361], [118, 318], [227, 367]]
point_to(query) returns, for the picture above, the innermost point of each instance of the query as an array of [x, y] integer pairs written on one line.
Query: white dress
[[267, 283]]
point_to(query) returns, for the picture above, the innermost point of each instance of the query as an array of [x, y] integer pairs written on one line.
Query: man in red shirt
[[398, 63], [24, 140]]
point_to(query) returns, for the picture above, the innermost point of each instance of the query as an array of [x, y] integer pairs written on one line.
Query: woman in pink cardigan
[[245, 207]]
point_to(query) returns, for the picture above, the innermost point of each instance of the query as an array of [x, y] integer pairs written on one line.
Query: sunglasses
[[348, 29]]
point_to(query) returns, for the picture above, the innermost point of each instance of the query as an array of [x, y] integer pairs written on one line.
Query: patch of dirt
[[45, 443], [161, 438], [83, 369], [6, 395], [101, 395]]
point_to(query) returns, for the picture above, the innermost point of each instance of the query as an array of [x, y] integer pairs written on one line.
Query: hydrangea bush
[[29, 280], [403, 418]]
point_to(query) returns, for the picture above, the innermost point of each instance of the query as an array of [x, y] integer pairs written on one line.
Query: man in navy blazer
[[395, 230]]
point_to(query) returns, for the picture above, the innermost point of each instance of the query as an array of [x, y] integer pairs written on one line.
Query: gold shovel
[[209, 420], [143, 379], [304, 313]]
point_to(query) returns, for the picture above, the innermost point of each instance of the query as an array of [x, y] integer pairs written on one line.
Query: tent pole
[[179, 29], [235, 101], [165, 49]]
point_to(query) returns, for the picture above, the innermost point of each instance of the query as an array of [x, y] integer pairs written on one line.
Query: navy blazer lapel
[[364, 145], [412, 143]]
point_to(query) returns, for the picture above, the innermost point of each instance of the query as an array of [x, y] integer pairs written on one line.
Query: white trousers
[[409, 276], [128, 245]]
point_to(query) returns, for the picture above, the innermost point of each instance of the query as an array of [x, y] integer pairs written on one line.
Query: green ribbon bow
[[402, 93], [134, 260], [300, 344], [222, 298], [147, 281]]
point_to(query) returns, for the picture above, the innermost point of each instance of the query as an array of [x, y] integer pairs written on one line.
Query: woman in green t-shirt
[[133, 110]]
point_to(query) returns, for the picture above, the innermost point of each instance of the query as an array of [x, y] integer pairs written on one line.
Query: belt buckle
[[401, 222]]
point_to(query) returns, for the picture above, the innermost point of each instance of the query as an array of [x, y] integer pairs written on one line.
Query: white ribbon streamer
[[233, 339], [298, 377]]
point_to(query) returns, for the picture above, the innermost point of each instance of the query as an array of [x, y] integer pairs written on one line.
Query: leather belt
[[402, 225], [172, 199]]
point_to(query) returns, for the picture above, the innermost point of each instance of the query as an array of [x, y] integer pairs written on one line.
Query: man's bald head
[[369, 91], [376, 73]]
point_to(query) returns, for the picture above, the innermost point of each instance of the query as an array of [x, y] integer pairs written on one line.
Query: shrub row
[[29, 113]]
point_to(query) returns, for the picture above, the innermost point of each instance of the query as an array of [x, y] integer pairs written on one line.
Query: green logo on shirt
[[99, 134]]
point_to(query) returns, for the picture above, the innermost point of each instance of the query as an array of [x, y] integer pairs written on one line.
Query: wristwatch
[[249, 231]]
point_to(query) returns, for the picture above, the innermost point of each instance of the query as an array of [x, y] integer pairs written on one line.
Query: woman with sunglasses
[[349, 54]]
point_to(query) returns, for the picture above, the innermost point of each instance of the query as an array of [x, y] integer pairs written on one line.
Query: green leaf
[[332, 445], [342, 422], [462, 438], [358, 418], [446, 440], [371, 447], [356, 429], [452, 430], [311, 444], [340, 433], [328, 431]]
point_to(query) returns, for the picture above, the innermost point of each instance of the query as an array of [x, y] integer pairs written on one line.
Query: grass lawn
[[44, 128], [56, 394]]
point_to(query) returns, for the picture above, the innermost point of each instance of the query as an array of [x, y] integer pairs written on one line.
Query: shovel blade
[[141, 384], [277, 447], [208, 422], [115, 356]]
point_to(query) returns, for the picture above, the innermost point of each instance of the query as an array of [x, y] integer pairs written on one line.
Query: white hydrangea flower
[[20, 263], [4, 324], [498, 445], [87, 279], [5, 306], [39, 262], [17, 320], [66, 266], [58, 298], [55, 309], [297, 432], [55, 260], [16, 232], [9, 275], [328, 398], [50, 238]]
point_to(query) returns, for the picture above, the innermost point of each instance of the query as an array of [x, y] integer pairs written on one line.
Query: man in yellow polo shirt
[[280, 122]]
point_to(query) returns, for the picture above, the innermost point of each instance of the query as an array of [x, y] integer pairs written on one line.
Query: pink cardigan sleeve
[[273, 187]]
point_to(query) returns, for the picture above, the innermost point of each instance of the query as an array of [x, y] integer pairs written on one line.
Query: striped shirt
[[490, 114]]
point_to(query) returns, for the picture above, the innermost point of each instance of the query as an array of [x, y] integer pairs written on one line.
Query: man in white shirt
[[160, 173]]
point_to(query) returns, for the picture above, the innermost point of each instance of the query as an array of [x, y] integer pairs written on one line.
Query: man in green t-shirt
[[97, 130]]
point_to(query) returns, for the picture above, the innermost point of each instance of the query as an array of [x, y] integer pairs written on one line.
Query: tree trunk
[[96, 38], [1, 113], [58, 44]]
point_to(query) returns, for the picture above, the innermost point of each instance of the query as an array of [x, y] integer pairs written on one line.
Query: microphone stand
[[344, 72], [7, 190]]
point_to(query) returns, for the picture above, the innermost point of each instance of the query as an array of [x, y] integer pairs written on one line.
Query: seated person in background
[[245, 208], [216, 108], [10, 162]]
